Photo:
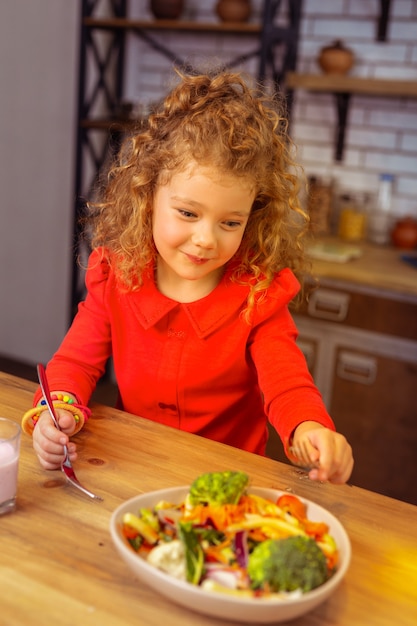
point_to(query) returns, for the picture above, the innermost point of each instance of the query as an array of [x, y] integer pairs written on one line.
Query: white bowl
[[258, 610]]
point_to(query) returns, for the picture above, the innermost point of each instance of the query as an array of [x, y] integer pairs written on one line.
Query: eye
[[232, 224], [186, 214]]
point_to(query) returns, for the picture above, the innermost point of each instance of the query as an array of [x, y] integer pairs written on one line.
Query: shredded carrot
[[218, 552], [129, 532], [221, 516]]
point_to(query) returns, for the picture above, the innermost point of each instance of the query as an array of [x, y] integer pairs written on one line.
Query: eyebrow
[[200, 204]]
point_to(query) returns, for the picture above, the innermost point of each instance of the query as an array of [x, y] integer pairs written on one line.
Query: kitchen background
[[39, 47], [381, 132]]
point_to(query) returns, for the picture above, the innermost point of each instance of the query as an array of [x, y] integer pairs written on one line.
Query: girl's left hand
[[328, 449]]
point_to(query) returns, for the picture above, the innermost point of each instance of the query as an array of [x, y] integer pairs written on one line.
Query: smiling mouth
[[197, 260]]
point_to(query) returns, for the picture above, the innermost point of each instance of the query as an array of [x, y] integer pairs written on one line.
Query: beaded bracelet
[[60, 401]]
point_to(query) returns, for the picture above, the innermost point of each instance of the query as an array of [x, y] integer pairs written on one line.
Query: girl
[[197, 253]]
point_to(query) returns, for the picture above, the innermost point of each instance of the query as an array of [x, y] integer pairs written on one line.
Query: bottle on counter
[[380, 218]]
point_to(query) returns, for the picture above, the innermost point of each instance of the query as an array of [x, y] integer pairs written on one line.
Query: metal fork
[[66, 465]]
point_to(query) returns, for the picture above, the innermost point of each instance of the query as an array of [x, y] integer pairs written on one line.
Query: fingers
[[344, 467], [49, 443], [337, 458], [304, 454], [330, 451], [66, 422]]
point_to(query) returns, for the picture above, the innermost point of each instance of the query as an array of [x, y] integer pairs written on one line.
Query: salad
[[224, 538]]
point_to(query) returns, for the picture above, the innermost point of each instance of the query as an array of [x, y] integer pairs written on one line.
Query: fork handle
[[47, 394]]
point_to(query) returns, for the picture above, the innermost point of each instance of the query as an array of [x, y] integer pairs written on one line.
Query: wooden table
[[58, 565]]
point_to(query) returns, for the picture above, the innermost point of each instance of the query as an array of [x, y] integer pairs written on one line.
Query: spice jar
[[352, 224], [319, 204]]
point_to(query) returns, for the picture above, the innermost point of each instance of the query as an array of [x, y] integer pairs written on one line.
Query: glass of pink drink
[[9, 459]]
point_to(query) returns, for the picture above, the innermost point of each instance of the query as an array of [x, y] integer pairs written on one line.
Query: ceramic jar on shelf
[[166, 9], [234, 10], [336, 58]]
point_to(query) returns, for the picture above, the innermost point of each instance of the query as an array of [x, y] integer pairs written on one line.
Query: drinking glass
[[9, 460]]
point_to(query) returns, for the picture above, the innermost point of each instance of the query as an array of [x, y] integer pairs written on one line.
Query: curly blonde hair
[[219, 121]]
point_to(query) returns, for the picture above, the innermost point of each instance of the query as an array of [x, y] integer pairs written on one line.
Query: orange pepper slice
[[292, 505]]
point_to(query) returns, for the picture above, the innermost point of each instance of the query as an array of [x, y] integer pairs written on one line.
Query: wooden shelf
[[241, 28], [351, 84], [343, 87]]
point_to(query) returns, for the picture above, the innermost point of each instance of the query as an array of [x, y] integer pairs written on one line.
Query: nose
[[203, 235]]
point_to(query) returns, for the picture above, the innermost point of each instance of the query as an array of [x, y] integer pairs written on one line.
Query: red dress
[[198, 366]]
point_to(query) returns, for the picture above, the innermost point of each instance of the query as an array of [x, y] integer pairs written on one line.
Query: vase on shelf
[[166, 9], [336, 58], [234, 10]]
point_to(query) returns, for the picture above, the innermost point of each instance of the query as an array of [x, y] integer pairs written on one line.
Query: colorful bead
[[59, 397]]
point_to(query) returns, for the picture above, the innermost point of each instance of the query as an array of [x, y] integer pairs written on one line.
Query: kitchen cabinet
[[361, 348]]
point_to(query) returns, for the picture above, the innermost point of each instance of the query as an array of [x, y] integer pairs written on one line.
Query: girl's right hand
[[49, 442]]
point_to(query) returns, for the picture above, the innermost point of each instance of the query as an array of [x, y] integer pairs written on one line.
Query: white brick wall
[[382, 132]]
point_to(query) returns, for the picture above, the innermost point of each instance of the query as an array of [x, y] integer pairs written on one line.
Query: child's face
[[199, 218]]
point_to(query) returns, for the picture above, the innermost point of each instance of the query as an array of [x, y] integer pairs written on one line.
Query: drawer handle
[[328, 305], [356, 368]]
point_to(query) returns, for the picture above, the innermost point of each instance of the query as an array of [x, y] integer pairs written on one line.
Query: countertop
[[377, 268]]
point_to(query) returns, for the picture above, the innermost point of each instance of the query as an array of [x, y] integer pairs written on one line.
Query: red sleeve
[[81, 358], [290, 394]]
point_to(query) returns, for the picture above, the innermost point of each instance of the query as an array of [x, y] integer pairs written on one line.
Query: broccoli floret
[[287, 564], [218, 488]]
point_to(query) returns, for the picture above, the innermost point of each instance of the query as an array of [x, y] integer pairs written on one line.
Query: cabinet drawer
[[373, 406], [361, 310]]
